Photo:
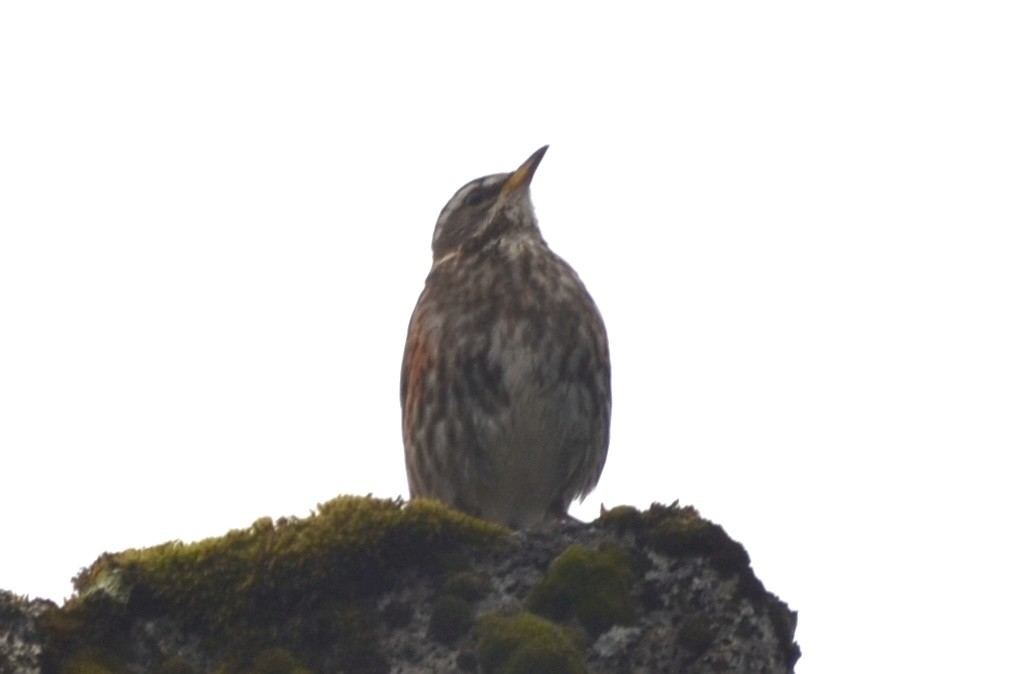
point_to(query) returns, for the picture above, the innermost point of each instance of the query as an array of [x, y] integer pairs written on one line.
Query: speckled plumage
[[505, 386]]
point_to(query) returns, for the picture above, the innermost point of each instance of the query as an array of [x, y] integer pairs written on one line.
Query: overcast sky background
[[798, 220]]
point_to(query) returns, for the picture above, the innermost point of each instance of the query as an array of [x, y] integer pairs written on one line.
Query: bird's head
[[486, 210]]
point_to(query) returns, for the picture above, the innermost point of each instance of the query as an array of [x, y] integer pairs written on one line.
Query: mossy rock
[[300, 584], [592, 586], [467, 585], [679, 532], [621, 518], [684, 533], [527, 644], [301, 595]]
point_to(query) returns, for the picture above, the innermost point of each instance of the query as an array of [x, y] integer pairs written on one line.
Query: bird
[[505, 386]]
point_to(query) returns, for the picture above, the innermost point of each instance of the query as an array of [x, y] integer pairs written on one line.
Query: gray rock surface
[[692, 617]]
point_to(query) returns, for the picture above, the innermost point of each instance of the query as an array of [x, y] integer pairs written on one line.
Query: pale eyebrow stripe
[[476, 184]]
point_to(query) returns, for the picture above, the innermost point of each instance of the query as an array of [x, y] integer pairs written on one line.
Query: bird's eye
[[475, 197]]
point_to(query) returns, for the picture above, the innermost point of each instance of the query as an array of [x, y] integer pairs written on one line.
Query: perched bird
[[506, 383]]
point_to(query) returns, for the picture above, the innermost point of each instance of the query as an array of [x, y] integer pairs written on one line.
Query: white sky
[[799, 221]]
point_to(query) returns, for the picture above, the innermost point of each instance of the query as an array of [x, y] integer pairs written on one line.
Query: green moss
[[681, 532], [592, 586], [86, 636], [621, 518], [452, 613], [301, 583], [527, 644], [684, 533], [451, 618], [467, 585], [12, 606], [349, 547]]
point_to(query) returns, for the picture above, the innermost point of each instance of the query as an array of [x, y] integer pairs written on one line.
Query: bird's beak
[[522, 176]]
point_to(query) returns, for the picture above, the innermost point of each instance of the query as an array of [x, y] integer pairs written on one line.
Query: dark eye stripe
[[476, 197], [480, 195]]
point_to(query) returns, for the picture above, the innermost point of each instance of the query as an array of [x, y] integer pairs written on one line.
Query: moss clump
[[467, 585], [12, 606], [301, 584], [348, 548], [683, 533], [452, 613], [87, 638], [527, 644], [592, 586], [451, 618], [621, 518], [680, 532]]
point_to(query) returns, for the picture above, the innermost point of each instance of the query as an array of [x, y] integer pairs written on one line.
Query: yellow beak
[[522, 176]]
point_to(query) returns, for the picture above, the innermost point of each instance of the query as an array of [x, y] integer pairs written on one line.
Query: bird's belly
[[533, 444]]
